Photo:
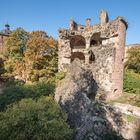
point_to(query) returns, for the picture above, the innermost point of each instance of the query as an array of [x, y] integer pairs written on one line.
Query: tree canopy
[[30, 56], [133, 60], [34, 120]]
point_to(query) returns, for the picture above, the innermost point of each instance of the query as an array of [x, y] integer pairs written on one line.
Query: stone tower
[[101, 46]]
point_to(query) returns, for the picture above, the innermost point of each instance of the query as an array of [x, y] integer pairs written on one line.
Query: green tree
[[30, 57], [16, 91], [15, 44], [14, 47], [34, 120], [40, 56], [133, 61]]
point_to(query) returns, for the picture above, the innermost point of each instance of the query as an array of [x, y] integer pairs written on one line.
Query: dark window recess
[[92, 57], [93, 42]]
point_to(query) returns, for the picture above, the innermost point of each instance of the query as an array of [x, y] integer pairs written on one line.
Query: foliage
[[133, 61], [131, 82], [30, 57], [17, 91], [34, 120], [131, 89], [15, 44], [40, 56], [130, 118], [14, 47], [59, 76]]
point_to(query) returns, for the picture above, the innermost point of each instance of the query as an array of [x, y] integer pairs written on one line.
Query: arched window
[[78, 55], [95, 40], [92, 57], [77, 42]]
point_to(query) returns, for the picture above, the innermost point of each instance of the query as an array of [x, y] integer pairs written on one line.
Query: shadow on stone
[[90, 119]]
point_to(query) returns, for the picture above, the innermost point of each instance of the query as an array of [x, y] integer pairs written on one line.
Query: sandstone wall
[[102, 67], [105, 42]]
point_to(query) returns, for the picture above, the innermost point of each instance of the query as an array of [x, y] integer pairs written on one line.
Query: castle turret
[[88, 22], [73, 25], [103, 17]]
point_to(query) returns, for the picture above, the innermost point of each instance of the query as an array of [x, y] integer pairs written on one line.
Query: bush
[[34, 120], [59, 76], [132, 82], [15, 92], [133, 60]]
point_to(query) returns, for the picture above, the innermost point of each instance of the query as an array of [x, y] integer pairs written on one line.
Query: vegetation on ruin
[[29, 73]]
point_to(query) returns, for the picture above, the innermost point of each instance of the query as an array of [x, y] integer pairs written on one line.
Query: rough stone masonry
[[101, 47]]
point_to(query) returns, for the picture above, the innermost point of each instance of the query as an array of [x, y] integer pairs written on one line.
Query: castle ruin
[[101, 47]]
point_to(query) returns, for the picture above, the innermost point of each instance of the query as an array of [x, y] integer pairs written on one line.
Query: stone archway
[[95, 40], [78, 42]]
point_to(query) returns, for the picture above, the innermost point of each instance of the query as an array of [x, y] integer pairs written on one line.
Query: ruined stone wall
[[117, 76], [101, 46], [102, 66]]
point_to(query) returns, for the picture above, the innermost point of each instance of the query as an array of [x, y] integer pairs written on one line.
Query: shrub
[[16, 92], [133, 61], [59, 76], [130, 118], [132, 82], [34, 120]]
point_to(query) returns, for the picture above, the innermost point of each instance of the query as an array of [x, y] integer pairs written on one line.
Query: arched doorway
[[95, 40]]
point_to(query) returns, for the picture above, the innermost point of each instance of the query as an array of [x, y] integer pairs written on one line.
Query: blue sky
[[50, 15]]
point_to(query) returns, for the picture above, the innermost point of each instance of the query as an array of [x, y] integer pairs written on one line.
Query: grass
[[131, 82]]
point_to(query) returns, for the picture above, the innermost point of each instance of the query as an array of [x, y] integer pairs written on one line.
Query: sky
[[50, 15]]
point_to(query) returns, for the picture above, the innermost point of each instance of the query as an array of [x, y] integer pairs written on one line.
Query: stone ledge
[[128, 109]]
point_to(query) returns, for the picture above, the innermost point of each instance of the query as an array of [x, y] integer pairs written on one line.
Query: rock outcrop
[[90, 119]]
